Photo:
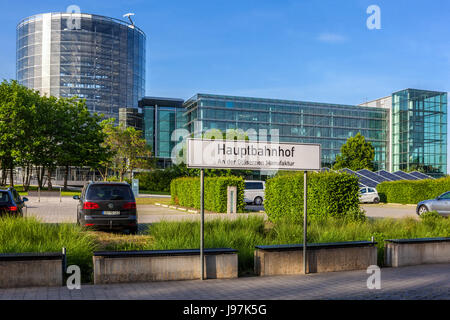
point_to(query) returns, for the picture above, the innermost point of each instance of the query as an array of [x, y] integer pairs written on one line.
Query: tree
[[128, 150], [356, 154], [81, 136], [17, 111], [45, 132]]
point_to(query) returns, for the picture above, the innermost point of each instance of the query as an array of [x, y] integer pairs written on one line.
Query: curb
[[175, 208]]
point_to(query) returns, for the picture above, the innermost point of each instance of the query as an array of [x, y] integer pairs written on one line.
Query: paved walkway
[[418, 282]]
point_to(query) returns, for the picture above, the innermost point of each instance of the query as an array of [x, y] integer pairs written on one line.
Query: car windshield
[[110, 192], [254, 186], [4, 197], [445, 196]]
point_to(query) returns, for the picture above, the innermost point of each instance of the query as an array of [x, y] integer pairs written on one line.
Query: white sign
[[225, 154]]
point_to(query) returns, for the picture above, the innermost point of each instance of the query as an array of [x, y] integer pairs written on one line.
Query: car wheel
[[258, 201], [133, 230], [422, 210], [376, 200]]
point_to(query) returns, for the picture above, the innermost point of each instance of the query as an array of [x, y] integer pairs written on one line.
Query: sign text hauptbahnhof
[[252, 155]]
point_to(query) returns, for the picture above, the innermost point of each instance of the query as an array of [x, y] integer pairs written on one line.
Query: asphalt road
[[375, 210], [51, 210]]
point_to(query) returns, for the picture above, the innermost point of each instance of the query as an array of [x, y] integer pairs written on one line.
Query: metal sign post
[[202, 223], [305, 218]]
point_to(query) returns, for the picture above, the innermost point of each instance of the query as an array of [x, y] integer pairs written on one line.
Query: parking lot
[[51, 210]]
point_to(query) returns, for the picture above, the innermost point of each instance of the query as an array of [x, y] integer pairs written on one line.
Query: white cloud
[[328, 37]]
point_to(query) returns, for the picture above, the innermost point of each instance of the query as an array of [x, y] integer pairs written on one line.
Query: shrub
[[412, 192], [186, 192], [329, 194], [157, 180]]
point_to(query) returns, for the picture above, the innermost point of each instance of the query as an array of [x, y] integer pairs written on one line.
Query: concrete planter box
[[31, 270], [321, 257], [410, 252], [136, 266]]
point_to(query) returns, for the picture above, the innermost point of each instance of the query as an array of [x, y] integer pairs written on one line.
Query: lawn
[[165, 193], [143, 201], [23, 193]]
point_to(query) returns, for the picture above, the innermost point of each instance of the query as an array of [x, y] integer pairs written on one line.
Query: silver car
[[369, 195], [441, 205]]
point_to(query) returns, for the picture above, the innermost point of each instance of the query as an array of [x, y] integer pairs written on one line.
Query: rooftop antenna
[[129, 15]]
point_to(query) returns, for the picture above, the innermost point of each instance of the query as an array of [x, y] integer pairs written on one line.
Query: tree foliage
[[127, 149], [356, 154], [40, 133]]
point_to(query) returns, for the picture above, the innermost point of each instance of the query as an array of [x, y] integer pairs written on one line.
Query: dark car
[[11, 203], [107, 206]]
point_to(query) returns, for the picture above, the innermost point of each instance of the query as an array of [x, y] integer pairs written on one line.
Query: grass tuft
[[20, 235]]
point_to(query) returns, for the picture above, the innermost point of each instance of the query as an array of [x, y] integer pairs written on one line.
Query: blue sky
[[304, 50]]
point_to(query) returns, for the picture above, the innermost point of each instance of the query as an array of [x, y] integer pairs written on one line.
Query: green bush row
[[412, 192], [186, 192], [330, 194], [156, 180]]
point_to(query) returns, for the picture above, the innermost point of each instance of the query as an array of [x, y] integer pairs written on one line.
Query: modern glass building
[[300, 122], [93, 57], [130, 117], [408, 129], [419, 131], [161, 117]]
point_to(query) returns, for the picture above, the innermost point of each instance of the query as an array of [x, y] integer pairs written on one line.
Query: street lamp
[[129, 15]]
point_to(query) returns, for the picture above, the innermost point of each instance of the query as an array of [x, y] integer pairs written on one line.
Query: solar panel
[[371, 179], [405, 176], [420, 175], [366, 182], [389, 176], [349, 171], [372, 176]]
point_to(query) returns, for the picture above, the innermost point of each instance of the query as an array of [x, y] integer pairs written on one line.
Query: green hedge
[[412, 192], [186, 192], [329, 194], [156, 180]]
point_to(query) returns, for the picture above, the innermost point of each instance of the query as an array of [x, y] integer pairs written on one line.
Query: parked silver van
[[254, 192]]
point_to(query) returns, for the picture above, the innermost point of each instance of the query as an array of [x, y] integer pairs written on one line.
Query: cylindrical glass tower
[[93, 57]]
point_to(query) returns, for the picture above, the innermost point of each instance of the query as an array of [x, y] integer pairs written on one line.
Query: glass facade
[[130, 117], [298, 122], [419, 131], [162, 116], [97, 58]]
